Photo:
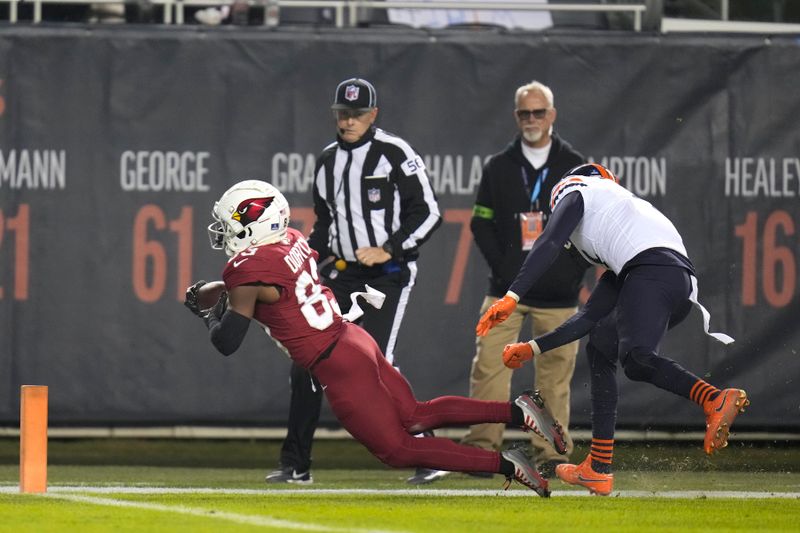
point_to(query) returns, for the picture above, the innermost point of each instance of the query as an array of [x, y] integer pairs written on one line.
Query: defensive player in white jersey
[[649, 287], [272, 278]]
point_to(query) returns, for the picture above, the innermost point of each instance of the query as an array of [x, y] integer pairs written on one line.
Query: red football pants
[[374, 402]]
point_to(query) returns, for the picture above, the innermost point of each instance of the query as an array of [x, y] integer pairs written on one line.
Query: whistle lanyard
[[537, 186]]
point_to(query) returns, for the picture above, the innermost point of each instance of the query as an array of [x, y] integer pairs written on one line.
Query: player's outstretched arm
[[565, 218]]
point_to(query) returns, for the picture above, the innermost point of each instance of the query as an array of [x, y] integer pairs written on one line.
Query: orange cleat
[[585, 476], [720, 414]]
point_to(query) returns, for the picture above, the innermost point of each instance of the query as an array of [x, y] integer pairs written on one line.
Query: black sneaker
[[525, 473], [287, 474], [539, 420], [423, 476]]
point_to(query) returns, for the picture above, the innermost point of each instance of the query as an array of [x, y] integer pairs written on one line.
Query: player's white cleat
[[539, 420], [525, 473]]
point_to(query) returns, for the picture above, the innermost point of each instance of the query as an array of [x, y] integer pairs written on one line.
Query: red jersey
[[306, 319]]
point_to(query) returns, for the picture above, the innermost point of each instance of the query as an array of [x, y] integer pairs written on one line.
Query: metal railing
[[338, 7], [37, 7], [12, 10], [674, 25], [353, 7], [636, 9]]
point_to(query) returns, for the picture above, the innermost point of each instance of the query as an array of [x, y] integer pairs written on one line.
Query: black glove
[[190, 301], [214, 315], [220, 307]]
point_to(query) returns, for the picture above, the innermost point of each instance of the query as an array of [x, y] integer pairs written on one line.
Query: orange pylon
[[33, 438]]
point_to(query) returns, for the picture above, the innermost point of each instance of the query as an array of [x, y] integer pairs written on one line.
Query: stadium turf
[[118, 485], [326, 511]]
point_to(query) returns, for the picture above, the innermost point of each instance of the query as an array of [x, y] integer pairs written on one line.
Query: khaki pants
[[491, 380]]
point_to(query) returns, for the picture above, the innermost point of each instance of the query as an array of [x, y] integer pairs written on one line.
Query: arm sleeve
[[600, 304], [563, 221], [228, 332]]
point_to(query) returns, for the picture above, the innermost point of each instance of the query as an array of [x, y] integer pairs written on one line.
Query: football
[[208, 294]]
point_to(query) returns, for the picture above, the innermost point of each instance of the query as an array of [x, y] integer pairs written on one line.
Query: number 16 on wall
[[775, 259]]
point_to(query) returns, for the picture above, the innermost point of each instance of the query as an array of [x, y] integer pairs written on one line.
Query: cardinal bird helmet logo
[[251, 210]]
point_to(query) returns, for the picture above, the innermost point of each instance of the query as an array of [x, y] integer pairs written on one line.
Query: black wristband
[[388, 248]]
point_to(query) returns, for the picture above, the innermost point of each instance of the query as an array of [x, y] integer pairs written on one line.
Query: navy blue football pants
[[651, 300]]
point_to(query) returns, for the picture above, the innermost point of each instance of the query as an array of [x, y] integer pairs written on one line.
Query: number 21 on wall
[[19, 227]]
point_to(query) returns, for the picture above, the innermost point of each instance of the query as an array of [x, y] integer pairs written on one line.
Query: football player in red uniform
[[271, 277]]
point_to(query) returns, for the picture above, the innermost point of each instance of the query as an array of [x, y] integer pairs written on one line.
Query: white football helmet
[[592, 169], [251, 212]]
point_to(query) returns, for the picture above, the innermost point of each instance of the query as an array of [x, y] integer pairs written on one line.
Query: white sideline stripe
[[231, 432], [252, 520], [730, 494]]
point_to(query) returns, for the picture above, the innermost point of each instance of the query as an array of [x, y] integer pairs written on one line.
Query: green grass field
[[149, 485]]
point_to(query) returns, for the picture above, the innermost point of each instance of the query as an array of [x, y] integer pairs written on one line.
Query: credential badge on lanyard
[[531, 224]]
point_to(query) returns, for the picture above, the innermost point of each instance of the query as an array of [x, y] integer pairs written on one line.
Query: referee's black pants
[[395, 280]]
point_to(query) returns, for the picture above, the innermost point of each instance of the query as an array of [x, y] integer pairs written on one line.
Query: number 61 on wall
[[148, 251]]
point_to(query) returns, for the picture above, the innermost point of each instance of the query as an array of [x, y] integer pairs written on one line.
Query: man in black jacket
[[510, 212]]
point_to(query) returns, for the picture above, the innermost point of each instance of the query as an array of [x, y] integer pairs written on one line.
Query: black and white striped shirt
[[369, 192]]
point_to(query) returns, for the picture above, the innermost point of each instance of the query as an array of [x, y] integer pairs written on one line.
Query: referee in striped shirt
[[374, 207]]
